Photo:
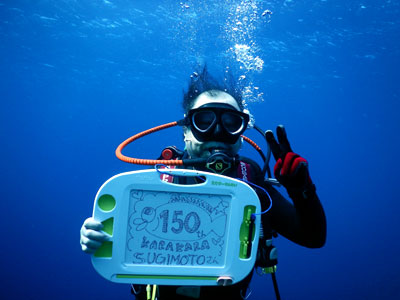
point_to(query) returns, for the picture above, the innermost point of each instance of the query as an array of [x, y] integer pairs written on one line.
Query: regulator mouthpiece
[[219, 162]]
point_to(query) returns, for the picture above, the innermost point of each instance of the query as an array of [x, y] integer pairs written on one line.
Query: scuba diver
[[214, 122]]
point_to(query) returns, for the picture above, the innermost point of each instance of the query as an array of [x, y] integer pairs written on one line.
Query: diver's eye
[[232, 122], [203, 120]]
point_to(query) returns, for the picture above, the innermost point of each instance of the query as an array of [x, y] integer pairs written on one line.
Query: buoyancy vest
[[245, 169]]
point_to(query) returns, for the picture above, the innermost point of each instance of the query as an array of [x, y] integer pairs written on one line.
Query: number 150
[[190, 223]]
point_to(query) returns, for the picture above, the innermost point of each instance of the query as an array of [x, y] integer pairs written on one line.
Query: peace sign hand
[[291, 170]]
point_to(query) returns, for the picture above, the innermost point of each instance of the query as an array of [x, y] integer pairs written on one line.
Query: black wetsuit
[[302, 222]]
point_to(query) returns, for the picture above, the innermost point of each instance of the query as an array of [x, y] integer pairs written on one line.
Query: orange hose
[[251, 142], [139, 161]]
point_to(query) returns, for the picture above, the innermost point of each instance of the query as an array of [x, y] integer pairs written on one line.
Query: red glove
[[291, 170]]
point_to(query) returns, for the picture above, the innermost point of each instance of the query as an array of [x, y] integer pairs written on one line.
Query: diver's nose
[[217, 131]]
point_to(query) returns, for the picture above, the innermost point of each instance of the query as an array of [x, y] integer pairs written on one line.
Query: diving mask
[[217, 122]]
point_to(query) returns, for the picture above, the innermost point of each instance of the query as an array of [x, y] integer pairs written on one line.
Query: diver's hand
[[291, 170], [91, 235]]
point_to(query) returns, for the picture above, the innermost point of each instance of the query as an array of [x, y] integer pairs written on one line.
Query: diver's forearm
[[311, 218], [302, 222]]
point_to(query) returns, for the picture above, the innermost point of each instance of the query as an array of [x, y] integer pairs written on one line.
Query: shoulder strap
[[244, 171]]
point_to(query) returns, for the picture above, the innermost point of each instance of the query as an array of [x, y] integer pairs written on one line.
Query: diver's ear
[[185, 131]]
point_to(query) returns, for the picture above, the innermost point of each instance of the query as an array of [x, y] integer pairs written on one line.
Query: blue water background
[[78, 77]]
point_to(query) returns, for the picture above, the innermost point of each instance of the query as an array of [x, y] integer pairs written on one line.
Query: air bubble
[[266, 12], [184, 5]]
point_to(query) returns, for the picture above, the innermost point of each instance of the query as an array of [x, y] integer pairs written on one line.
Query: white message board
[[173, 234]]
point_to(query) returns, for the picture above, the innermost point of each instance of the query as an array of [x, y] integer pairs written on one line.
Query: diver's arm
[[302, 221]]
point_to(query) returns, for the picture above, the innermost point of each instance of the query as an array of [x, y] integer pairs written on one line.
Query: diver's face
[[194, 147]]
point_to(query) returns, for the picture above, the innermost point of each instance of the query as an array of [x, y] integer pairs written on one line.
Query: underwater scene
[[77, 78]]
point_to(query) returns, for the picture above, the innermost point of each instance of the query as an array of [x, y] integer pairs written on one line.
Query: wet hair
[[202, 81]]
